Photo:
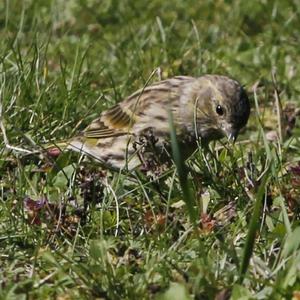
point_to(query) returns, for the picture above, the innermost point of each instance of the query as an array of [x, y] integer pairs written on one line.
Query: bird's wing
[[120, 119], [111, 123]]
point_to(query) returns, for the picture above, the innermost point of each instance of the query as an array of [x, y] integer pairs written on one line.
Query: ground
[[70, 229]]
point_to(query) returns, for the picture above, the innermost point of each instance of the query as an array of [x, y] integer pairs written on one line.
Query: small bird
[[124, 136]]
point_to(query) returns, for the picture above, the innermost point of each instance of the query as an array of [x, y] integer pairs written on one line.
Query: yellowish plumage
[[207, 107]]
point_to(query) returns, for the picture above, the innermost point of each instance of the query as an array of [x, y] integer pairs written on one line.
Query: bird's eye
[[219, 110]]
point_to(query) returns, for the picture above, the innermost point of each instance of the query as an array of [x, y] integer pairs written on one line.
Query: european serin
[[208, 107]]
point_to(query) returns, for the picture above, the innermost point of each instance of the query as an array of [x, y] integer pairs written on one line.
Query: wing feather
[[120, 119]]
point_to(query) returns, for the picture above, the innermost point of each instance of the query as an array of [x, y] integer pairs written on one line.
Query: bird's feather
[[114, 138]]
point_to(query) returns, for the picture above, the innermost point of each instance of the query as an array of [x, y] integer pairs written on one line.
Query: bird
[[126, 135]]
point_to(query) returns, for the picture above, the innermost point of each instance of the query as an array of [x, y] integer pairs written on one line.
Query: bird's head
[[223, 108]]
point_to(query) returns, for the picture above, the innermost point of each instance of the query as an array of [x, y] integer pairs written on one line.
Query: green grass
[[96, 234]]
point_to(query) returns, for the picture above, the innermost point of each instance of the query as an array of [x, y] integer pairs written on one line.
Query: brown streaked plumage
[[207, 107]]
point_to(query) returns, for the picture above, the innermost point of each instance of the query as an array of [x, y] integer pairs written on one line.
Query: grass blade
[[254, 225], [182, 174]]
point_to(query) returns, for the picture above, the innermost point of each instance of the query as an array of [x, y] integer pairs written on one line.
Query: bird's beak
[[231, 134]]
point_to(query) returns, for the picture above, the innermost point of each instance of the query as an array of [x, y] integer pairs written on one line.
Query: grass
[[71, 230]]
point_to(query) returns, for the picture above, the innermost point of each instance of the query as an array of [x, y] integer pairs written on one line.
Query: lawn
[[70, 229]]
